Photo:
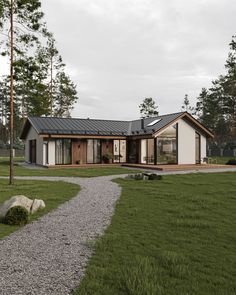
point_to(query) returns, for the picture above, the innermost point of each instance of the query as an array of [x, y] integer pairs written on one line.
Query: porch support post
[[155, 151]]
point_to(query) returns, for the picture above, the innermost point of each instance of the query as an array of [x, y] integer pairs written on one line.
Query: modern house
[[170, 139]]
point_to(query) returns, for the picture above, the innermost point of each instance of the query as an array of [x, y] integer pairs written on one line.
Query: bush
[[17, 216], [144, 176], [154, 176], [231, 162]]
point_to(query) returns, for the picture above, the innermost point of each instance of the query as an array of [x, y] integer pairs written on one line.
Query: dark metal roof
[[72, 126], [51, 125], [163, 121]]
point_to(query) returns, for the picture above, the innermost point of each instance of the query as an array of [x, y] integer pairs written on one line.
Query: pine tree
[[66, 95], [216, 107], [186, 107], [148, 108], [24, 17]]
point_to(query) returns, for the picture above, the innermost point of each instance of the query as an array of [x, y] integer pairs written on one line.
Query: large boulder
[[30, 205]]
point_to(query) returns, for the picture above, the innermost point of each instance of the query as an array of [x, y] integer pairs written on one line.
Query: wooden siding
[[79, 149], [107, 147]]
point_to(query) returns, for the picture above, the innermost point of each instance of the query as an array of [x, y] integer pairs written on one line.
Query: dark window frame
[[199, 148], [147, 154], [118, 162], [63, 150], [46, 142], [100, 140], [33, 144], [176, 142]]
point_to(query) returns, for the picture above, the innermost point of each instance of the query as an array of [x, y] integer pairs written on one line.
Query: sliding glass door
[[119, 151], [94, 151], [90, 151], [63, 151], [147, 151]]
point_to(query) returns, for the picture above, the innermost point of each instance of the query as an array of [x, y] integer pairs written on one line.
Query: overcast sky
[[121, 51]]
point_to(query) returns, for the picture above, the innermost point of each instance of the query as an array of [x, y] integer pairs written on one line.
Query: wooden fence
[[6, 153]]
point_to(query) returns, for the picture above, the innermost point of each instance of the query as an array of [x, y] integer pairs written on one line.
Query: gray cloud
[[121, 51]]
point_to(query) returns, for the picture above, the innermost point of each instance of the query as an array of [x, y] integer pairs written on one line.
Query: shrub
[[154, 176], [231, 162], [144, 176], [17, 216]]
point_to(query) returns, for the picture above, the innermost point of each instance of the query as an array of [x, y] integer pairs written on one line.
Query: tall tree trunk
[[11, 177], [51, 74]]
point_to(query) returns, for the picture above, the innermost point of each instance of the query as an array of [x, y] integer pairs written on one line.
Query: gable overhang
[[190, 119], [26, 129]]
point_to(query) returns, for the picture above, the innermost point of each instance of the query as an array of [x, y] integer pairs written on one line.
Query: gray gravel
[[49, 256]]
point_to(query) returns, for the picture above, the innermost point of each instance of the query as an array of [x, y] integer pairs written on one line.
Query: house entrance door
[[32, 151], [197, 148]]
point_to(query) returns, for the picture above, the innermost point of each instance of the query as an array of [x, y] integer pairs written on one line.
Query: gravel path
[[49, 256]]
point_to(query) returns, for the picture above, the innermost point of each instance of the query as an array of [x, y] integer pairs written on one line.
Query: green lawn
[[175, 236], [222, 160], [74, 172], [53, 194]]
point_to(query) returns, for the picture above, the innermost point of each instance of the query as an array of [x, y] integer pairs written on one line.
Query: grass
[[222, 160], [53, 194], [174, 236], [68, 172]]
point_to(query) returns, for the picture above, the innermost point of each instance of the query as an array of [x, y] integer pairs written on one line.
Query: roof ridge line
[[127, 121]]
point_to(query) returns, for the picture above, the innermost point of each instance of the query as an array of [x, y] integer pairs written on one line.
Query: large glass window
[[150, 151], [93, 151], [133, 151], [116, 151], [147, 151], [119, 151], [45, 152], [89, 151], [63, 151], [122, 151], [143, 151], [197, 148], [97, 150], [167, 146]]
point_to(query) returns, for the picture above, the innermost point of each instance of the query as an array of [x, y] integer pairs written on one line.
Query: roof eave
[[192, 119], [26, 128]]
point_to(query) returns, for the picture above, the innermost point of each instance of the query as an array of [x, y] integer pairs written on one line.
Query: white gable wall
[[32, 134], [186, 143], [203, 147]]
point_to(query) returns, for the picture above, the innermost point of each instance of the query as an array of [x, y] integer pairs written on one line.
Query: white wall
[[203, 147], [32, 134], [186, 143], [51, 152]]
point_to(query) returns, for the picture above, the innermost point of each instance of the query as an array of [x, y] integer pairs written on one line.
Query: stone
[[37, 205], [30, 205], [152, 176], [144, 176]]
